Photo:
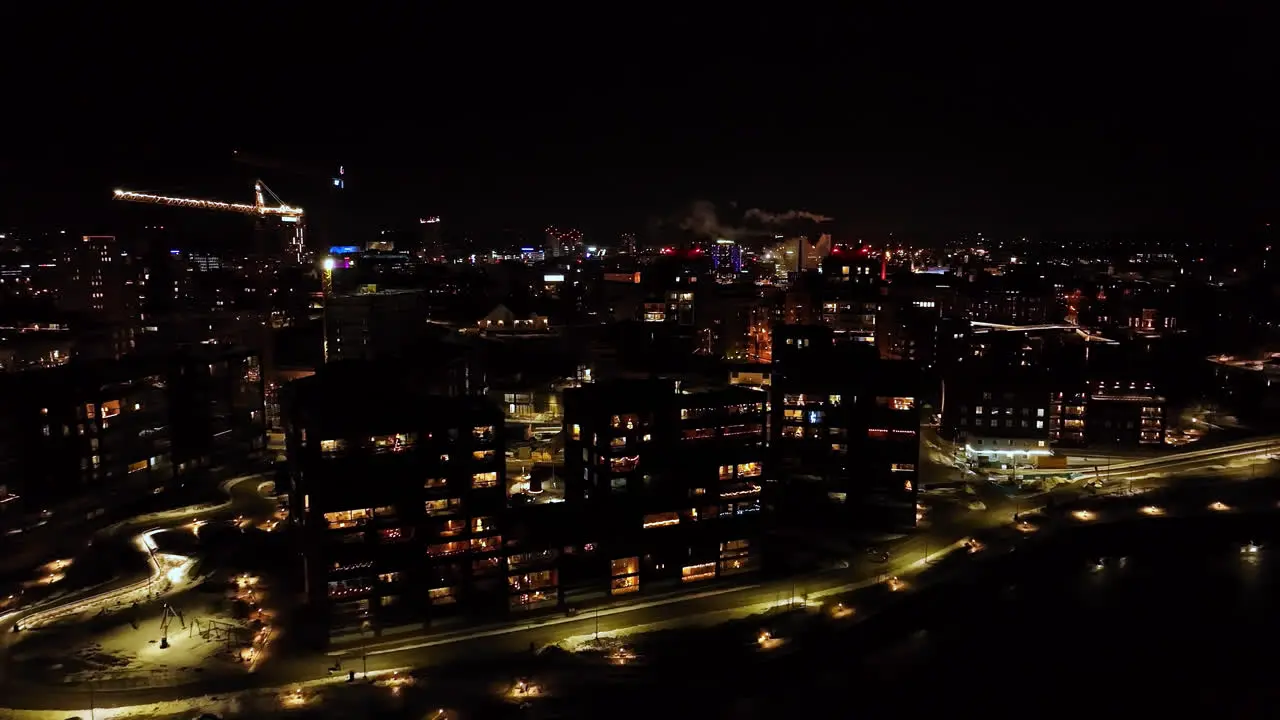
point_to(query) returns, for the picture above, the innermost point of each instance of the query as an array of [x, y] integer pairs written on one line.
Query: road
[[645, 614], [243, 498], [1181, 461]]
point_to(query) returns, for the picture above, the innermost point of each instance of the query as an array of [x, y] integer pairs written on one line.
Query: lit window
[[484, 480], [664, 519], [575, 432], [449, 548], [442, 596], [701, 571], [443, 506], [342, 519], [897, 403], [623, 585]]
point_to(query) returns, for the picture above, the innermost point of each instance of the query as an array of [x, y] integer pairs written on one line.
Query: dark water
[[1173, 619], [1151, 617]]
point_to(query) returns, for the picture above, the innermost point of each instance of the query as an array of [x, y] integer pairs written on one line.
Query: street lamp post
[[597, 623]]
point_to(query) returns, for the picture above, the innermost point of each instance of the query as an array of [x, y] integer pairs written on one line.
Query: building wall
[[844, 427], [399, 516], [673, 478], [84, 431]]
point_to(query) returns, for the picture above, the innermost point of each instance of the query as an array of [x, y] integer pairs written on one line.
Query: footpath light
[[1152, 510], [1084, 515]]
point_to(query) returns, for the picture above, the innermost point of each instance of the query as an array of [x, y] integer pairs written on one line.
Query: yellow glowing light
[[1152, 510], [1219, 507], [1084, 515]]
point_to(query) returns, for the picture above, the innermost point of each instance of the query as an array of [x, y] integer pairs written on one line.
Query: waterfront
[[1132, 610], [1162, 614]]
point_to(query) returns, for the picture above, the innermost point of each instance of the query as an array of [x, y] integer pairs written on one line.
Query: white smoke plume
[[702, 220], [768, 218]]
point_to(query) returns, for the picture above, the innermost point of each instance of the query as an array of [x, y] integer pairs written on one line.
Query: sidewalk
[[440, 637]]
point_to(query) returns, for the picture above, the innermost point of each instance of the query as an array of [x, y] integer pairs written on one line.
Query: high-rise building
[[627, 243], [372, 323], [845, 427], [562, 242], [93, 431], [432, 239], [812, 253], [418, 537], [103, 282], [726, 257], [672, 476]]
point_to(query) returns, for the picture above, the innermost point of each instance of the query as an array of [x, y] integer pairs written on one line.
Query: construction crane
[[325, 225], [260, 208]]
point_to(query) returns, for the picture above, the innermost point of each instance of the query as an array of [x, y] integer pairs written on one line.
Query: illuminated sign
[[553, 278], [289, 218], [429, 221], [344, 250], [526, 249], [722, 241]]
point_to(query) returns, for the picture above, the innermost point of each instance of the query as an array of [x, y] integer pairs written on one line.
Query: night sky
[[1034, 123]]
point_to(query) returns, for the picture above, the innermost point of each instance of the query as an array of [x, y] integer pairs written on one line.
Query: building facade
[[844, 427], [672, 476], [398, 497]]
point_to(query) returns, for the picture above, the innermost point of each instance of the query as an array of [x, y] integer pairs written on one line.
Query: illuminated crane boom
[[260, 208]]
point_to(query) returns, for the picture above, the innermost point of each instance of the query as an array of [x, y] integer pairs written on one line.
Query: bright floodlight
[[174, 575], [329, 264]]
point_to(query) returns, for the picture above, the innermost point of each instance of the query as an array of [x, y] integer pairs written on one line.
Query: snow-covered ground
[[124, 648]]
